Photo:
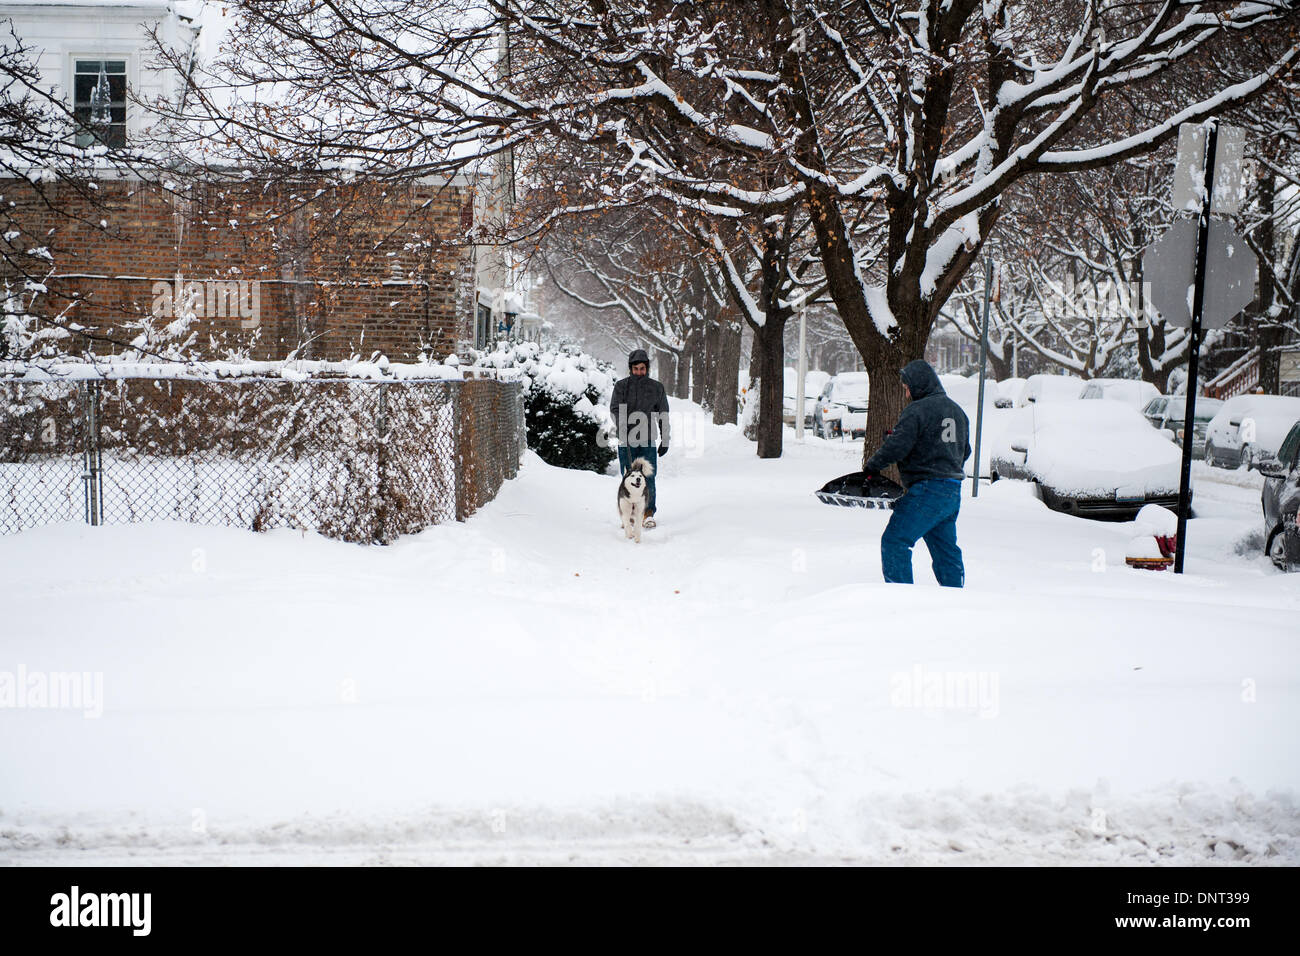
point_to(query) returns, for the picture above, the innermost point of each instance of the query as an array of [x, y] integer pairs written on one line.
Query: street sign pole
[[984, 350], [799, 399], [1198, 306]]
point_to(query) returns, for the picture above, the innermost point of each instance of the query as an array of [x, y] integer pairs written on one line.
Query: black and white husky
[[633, 493]]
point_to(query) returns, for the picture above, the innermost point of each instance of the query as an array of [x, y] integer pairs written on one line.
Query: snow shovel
[[860, 490]]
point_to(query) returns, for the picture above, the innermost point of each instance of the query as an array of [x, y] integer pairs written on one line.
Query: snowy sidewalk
[[741, 687]]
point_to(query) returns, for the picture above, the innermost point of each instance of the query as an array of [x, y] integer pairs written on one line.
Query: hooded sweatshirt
[[932, 437], [639, 407]]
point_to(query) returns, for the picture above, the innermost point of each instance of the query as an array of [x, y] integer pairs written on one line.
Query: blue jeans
[[628, 455], [929, 511]]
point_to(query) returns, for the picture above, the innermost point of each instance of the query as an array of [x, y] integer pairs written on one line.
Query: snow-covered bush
[[566, 401]]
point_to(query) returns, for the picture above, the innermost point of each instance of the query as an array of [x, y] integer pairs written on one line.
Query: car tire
[[1209, 455], [1275, 549]]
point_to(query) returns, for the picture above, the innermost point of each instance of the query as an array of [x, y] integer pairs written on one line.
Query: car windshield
[[855, 392], [1206, 408]]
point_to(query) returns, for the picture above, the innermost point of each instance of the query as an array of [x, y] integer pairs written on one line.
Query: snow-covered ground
[[741, 687]]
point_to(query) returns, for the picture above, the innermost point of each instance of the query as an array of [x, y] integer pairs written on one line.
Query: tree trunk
[[695, 350], [886, 401], [998, 369], [727, 371], [767, 367], [709, 367], [662, 368], [1270, 332]]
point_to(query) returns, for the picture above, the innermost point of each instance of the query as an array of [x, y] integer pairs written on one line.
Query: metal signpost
[[984, 349], [1201, 273], [803, 370]]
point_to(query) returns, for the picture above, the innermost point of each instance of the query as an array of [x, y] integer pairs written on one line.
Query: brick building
[[357, 271], [389, 274]]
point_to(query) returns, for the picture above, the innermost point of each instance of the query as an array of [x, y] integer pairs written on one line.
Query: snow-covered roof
[[185, 9]]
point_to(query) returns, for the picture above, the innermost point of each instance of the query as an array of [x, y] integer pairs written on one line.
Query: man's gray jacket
[[639, 407]]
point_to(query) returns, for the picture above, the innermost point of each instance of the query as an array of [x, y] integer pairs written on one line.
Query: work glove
[[663, 450]]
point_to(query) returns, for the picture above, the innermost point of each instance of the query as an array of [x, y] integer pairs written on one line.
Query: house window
[[100, 102]]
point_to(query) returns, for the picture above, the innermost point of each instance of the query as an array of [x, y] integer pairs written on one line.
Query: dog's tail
[[643, 466]]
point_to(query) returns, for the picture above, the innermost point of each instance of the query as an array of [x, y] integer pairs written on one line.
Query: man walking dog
[[639, 407], [930, 444]]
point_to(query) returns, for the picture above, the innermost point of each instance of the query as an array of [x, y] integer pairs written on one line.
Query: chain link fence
[[359, 460]]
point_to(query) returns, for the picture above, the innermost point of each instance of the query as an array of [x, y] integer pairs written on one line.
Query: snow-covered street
[[741, 687]]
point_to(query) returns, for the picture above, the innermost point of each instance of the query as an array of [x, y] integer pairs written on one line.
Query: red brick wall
[[321, 265]]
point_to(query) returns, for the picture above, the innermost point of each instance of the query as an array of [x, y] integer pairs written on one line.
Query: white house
[[85, 45]]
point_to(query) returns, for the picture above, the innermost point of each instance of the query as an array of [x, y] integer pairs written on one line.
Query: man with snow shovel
[[930, 444], [639, 407]]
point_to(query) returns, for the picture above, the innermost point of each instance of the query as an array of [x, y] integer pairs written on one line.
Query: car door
[[1280, 495]]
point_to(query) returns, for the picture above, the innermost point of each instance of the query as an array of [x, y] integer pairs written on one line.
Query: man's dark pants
[[928, 511]]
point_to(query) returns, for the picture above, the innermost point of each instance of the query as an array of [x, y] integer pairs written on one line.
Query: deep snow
[[741, 687]]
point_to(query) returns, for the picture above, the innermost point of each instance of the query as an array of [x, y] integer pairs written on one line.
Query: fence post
[[458, 449], [521, 429], [380, 531], [91, 455]]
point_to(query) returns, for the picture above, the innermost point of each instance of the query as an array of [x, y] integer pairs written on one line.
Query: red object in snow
[[1168, 544]]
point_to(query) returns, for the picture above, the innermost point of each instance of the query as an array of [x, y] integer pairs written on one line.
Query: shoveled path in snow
[[530, 687]]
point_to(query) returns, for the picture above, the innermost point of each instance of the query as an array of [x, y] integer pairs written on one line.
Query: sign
[[1229, 192], [1168, 265], [1290, 366]]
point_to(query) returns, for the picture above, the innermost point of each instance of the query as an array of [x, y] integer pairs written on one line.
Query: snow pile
[[751, 714], [1156, 520]]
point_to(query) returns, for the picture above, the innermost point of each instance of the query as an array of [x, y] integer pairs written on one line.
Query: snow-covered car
[[1091, 459], [1130, 391], [1009, 392], [842, 406], [1280, 501], [1169, 412], [965, 391], [1248, 428], [1049, 388], [814, 381]]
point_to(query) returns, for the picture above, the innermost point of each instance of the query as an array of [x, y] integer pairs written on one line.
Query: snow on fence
[[358, 457]]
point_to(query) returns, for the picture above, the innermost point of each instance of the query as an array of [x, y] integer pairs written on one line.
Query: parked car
[[1050, 388], [1249, 428], [814, 381], [1280, 501], [1091, 459], [965, 391], [842, 406], [1130, 391], [1168, 412], [1009, 392]]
